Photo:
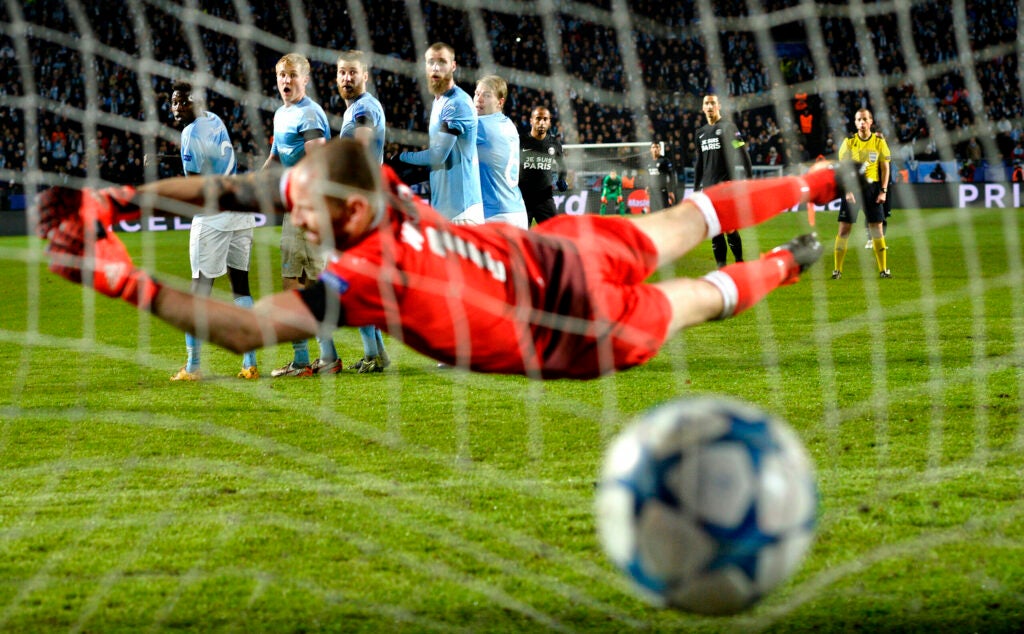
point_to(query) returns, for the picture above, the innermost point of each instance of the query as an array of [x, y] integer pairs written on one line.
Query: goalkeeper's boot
[[249, 373], [184, 375], [383, 358], [884, 274], [806, 250], [292, 370], [322, 367], [837, 274]]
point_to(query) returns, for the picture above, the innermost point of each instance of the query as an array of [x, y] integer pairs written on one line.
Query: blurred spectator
[[937, 175], [671, 70], [967, 171]]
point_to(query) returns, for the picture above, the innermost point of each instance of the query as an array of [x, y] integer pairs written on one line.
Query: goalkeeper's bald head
[[337, 185]]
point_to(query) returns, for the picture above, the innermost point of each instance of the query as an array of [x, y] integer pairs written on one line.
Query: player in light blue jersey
[[497, 142], [452, 157], [363, 120], [299, 124], [220, 242]]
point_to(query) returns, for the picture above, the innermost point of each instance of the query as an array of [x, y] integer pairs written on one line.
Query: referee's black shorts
[[874, 212]]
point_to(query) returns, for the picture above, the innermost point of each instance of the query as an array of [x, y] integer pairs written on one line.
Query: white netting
[[84, 96]]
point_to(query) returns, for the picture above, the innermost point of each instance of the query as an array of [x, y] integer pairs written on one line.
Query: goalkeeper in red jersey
[[567, 299]]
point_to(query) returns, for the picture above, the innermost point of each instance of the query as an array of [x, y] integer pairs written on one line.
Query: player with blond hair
[[452, 155], [299, 125], [497, 143]]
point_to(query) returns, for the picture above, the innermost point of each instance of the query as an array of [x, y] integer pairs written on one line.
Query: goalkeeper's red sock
[[746, 283], [739, 204]]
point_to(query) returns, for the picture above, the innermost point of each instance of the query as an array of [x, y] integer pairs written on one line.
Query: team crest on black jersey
[[551, 150]]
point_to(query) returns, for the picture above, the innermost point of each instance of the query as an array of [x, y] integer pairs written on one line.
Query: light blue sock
[[369, 336], [327, 350], [249, 358], [380, 341], [193, 348], [300, 350]]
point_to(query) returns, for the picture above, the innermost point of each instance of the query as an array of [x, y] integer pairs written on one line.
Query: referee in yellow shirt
[[870, 150]]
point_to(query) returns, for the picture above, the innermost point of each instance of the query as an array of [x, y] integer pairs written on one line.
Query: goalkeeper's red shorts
[[628, 319]]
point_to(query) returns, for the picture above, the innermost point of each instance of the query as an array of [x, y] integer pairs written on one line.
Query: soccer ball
[[706, 504]]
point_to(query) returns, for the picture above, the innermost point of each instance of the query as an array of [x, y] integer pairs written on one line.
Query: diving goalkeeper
[[567, 299]]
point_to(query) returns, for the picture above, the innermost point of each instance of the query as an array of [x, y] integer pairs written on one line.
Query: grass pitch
[[423, 500]]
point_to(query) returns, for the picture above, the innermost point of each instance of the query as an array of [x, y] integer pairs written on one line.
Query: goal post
[[589, 163]]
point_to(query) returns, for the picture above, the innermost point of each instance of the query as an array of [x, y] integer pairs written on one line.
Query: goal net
[[435, 500]]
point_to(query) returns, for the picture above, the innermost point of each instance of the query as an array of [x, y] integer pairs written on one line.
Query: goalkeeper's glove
[[603, 200], [106, 206], [108, 269], [561, 185]]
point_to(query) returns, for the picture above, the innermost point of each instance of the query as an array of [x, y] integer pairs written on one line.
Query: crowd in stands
[[669, 49]]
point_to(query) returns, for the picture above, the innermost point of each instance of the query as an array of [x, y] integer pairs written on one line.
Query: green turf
[[425, 500]]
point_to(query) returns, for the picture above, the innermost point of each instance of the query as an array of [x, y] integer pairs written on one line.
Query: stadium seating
[[671, 70]]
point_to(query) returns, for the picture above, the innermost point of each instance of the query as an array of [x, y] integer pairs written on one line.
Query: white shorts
[[211, 251], [514, 218], [473, 215]]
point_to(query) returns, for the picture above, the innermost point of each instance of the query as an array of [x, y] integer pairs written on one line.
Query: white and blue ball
[[707, 504]]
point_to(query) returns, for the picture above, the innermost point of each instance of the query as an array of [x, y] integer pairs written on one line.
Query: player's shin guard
[[327, 350], [193, 350], [730, 206], [249, 358], [744, 284], [300, 353], [368, 335]]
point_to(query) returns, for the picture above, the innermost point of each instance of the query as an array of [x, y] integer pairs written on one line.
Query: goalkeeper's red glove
[[107, 206], [603, 199], [108, 268]]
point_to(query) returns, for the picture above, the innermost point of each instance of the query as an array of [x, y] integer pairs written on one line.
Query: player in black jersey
[[720, 149], [541, 166], [661, 179]]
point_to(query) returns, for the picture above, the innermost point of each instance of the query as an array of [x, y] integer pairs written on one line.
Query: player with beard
[[720, 149], [452, 155], [364, 121], [542, 166]]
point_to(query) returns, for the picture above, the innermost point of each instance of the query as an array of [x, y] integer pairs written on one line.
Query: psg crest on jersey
[[551, 150]]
